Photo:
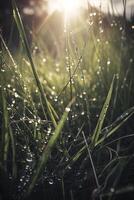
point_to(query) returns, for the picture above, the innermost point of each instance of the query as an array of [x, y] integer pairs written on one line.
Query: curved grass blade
[[127, 189], [116, 125], [47, 151], [23, 36]]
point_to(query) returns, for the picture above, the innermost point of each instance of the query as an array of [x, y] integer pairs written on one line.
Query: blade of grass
[[7, 136], [116, 140], [92, 164], [14, 168], [116, 125], [102, 115], [121, 191], [71, 195], [68, 150], [23, 36], [7, 50], [53, 111], [5, 132], [63, 188], [47, 151]]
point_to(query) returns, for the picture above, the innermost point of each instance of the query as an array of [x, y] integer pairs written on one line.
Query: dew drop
[[51, 182], [112, 190], [67, 109]]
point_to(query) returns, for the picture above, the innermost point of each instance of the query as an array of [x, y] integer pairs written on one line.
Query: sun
[[69, 7]]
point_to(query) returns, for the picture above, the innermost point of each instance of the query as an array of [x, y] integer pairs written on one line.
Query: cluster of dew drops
[[9, 88], [13, 98]]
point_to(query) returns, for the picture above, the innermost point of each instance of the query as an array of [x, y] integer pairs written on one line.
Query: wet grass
[[67, 121]]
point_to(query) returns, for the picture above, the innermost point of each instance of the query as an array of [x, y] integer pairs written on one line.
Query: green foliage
[[90, 62]]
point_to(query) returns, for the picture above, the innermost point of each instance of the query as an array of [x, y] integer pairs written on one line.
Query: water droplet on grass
[[51, 182], [29, 159], [83, 113], [112, 190], [108, 62], [67, 109]]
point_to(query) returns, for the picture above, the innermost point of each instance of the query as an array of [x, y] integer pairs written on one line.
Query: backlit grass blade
[[102, 116], [53, 111], [47, 151], [27, 48]]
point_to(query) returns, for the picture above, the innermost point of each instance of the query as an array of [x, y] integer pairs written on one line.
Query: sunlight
[[69, 7]]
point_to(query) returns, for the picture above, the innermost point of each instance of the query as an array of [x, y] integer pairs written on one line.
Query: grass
[[66, 117]]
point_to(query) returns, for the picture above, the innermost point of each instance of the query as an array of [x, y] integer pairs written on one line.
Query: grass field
[[66, 109]]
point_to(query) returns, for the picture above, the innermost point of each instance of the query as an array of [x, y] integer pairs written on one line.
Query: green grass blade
[[102, 116], [75, 157], [7, 50], [27, 48], [5, 132], [14, 167], [53, 111], [63, 189], [92, 163], [7, 137], [47, 151]]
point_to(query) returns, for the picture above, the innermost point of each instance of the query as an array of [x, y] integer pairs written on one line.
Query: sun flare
[[69, 7]]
